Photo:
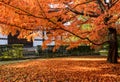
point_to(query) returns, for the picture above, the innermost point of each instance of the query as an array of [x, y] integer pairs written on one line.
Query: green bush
[[17, 50], [48, 52], [39, 50], [61, 51], [3, 48], [11, 51], [45, 53], [82, 50]]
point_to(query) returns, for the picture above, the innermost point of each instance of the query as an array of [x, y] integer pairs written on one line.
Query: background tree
[[64, 18]]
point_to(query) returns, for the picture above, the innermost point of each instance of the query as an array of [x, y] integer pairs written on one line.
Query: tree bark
[[113, 46]]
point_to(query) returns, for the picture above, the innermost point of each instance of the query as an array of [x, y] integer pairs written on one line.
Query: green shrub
[[82, 50], [11, 51], [39, 49], [3, 48], [17, 50], [61, 51]]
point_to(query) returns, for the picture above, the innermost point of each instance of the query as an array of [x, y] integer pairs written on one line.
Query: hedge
[[81, 50], [11, 51]]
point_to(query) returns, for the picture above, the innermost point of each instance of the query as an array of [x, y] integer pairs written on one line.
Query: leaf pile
[[60, 70]]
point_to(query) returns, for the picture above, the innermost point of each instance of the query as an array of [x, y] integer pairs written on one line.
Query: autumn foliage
[[61, 70], [30, 17], [64, 21]]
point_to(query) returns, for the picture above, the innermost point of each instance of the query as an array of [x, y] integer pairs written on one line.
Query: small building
[[14, 40]]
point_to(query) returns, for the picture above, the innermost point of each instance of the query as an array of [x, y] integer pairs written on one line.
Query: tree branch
[[86, 38], [41, 8], [101, 5], [83, 3], [17, 8], [82, 13], [113, 3], [72, 10], [25, 28]]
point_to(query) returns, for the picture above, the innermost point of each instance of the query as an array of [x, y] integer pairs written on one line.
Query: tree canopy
[[86, 20]]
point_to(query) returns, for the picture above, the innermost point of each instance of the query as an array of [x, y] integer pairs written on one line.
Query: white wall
[[52, 43], [36, 42], [39, 42], [3, 39]]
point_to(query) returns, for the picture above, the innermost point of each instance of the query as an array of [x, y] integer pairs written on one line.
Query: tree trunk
[[113, 46]]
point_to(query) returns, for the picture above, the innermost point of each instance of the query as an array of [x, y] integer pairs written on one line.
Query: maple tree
[[63, 20]]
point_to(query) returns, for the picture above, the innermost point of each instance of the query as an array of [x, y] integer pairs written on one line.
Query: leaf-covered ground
[[61, 70]]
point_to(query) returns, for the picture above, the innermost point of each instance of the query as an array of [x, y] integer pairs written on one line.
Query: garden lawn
[[61, 70]]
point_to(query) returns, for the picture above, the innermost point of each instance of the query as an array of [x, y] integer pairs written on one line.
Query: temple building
[[14, 40]]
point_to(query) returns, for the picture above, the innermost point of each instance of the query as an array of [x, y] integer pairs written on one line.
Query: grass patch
[[105, 52]]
